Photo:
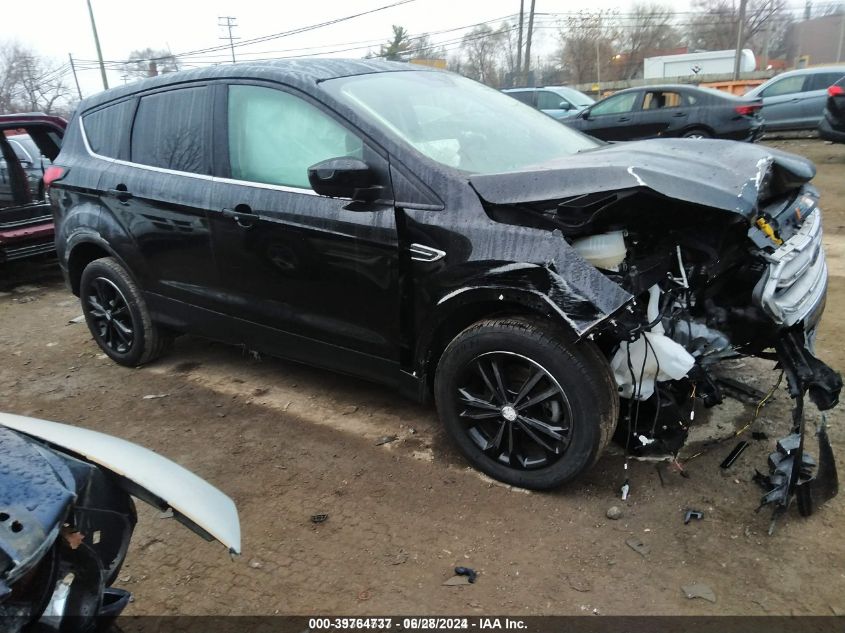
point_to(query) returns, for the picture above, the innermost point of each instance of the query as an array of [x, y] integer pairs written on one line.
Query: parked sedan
[[832, 127], [413, 227], [559, 102], [795, 100], [670, 111], [26, 224]]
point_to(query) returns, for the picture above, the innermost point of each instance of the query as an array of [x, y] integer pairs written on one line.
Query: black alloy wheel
[[117, 314], [525, 402], [110, 316], [515, 411]]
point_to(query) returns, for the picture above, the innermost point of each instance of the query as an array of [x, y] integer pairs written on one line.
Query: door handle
[[242, 215], [622, 119], [120, 192], [679, 114]]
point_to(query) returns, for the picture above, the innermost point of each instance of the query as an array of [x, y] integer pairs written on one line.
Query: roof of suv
[[303, 70]]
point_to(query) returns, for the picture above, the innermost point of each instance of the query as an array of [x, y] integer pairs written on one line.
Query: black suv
[[413, 227]]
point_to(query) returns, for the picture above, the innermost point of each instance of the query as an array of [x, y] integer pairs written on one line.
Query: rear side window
[[172, 130], [659, 100], [106, 128], [526, 96], [822, 81], [274, 137]]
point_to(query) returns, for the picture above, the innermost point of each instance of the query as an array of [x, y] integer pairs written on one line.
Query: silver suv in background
[[559, 102], [795, 100]]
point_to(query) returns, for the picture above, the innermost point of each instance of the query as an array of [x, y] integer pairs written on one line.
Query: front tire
[[697, 133], [524, 403], [117, 315]]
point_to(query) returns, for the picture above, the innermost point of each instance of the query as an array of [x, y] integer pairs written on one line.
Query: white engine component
[[605, 250], [651, 357]]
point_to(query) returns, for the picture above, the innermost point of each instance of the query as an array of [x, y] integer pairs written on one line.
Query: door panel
[[162, 195], [290, 259]]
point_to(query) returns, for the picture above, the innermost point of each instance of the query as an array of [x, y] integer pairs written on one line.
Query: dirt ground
[[286, 442]]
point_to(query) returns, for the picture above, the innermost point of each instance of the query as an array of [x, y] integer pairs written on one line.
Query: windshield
[[458, 122]]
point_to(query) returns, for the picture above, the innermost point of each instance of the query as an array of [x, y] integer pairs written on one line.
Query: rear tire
[[524, 403], [117, 315], [697, 133]]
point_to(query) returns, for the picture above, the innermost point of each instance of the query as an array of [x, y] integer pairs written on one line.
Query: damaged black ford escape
[[416, 228]]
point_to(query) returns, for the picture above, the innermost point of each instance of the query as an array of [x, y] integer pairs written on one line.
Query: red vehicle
[[26, 223]]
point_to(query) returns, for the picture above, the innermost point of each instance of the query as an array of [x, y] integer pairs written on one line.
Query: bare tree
[[149, 62], [715, 26], [482, 52], [29, 82], [649, 29], [421, 47], [587, 45]]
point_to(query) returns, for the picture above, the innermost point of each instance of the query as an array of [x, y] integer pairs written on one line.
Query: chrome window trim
[[174, 172]]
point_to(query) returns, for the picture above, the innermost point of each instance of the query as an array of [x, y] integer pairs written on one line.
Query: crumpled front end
[[719, 246]]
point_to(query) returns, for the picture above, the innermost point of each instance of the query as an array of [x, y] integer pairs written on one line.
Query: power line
[[230, 24]]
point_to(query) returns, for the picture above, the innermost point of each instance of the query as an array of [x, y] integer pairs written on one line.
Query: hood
[[143, 474], [725, 175]]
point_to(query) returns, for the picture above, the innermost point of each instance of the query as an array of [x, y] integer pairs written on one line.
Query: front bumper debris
[[793, 473]]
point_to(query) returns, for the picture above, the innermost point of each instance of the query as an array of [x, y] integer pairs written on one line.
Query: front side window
[[549, 100], [274, 137], [105, 128], [172, 129], [456, 121], [786, 86], [617, 104]]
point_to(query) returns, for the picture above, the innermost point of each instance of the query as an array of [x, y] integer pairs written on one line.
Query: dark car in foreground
[[416, 228], [670, 111], [28, 143], [832, 126], [67, 516]]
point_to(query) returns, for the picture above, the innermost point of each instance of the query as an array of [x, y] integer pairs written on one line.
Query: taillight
[[52, 174], [836, 91], [747, 110]]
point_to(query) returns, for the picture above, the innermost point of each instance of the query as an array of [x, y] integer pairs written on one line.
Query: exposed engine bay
[[707, 290]]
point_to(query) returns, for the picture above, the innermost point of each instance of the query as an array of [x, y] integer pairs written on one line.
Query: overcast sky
[[56, 28]]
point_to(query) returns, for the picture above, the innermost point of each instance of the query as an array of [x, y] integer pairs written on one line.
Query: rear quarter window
[[106, 128], [172, 130]]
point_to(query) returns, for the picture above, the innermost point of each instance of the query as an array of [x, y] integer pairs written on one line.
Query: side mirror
[[585, 113], [565, 105], [343, 178]]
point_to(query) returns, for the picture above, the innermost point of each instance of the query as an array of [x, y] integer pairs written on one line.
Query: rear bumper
[[829, 133]]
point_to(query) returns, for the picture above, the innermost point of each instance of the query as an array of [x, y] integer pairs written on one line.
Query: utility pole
[[528, 40], [229, 24], [841, 35], [598, 67], [519, 39], [97, 44], [75, 78], [768, 36], [740, 32]]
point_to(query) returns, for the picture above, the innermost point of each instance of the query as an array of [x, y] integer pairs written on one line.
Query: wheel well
[[699, 126], [82, 255], [460, 320]]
